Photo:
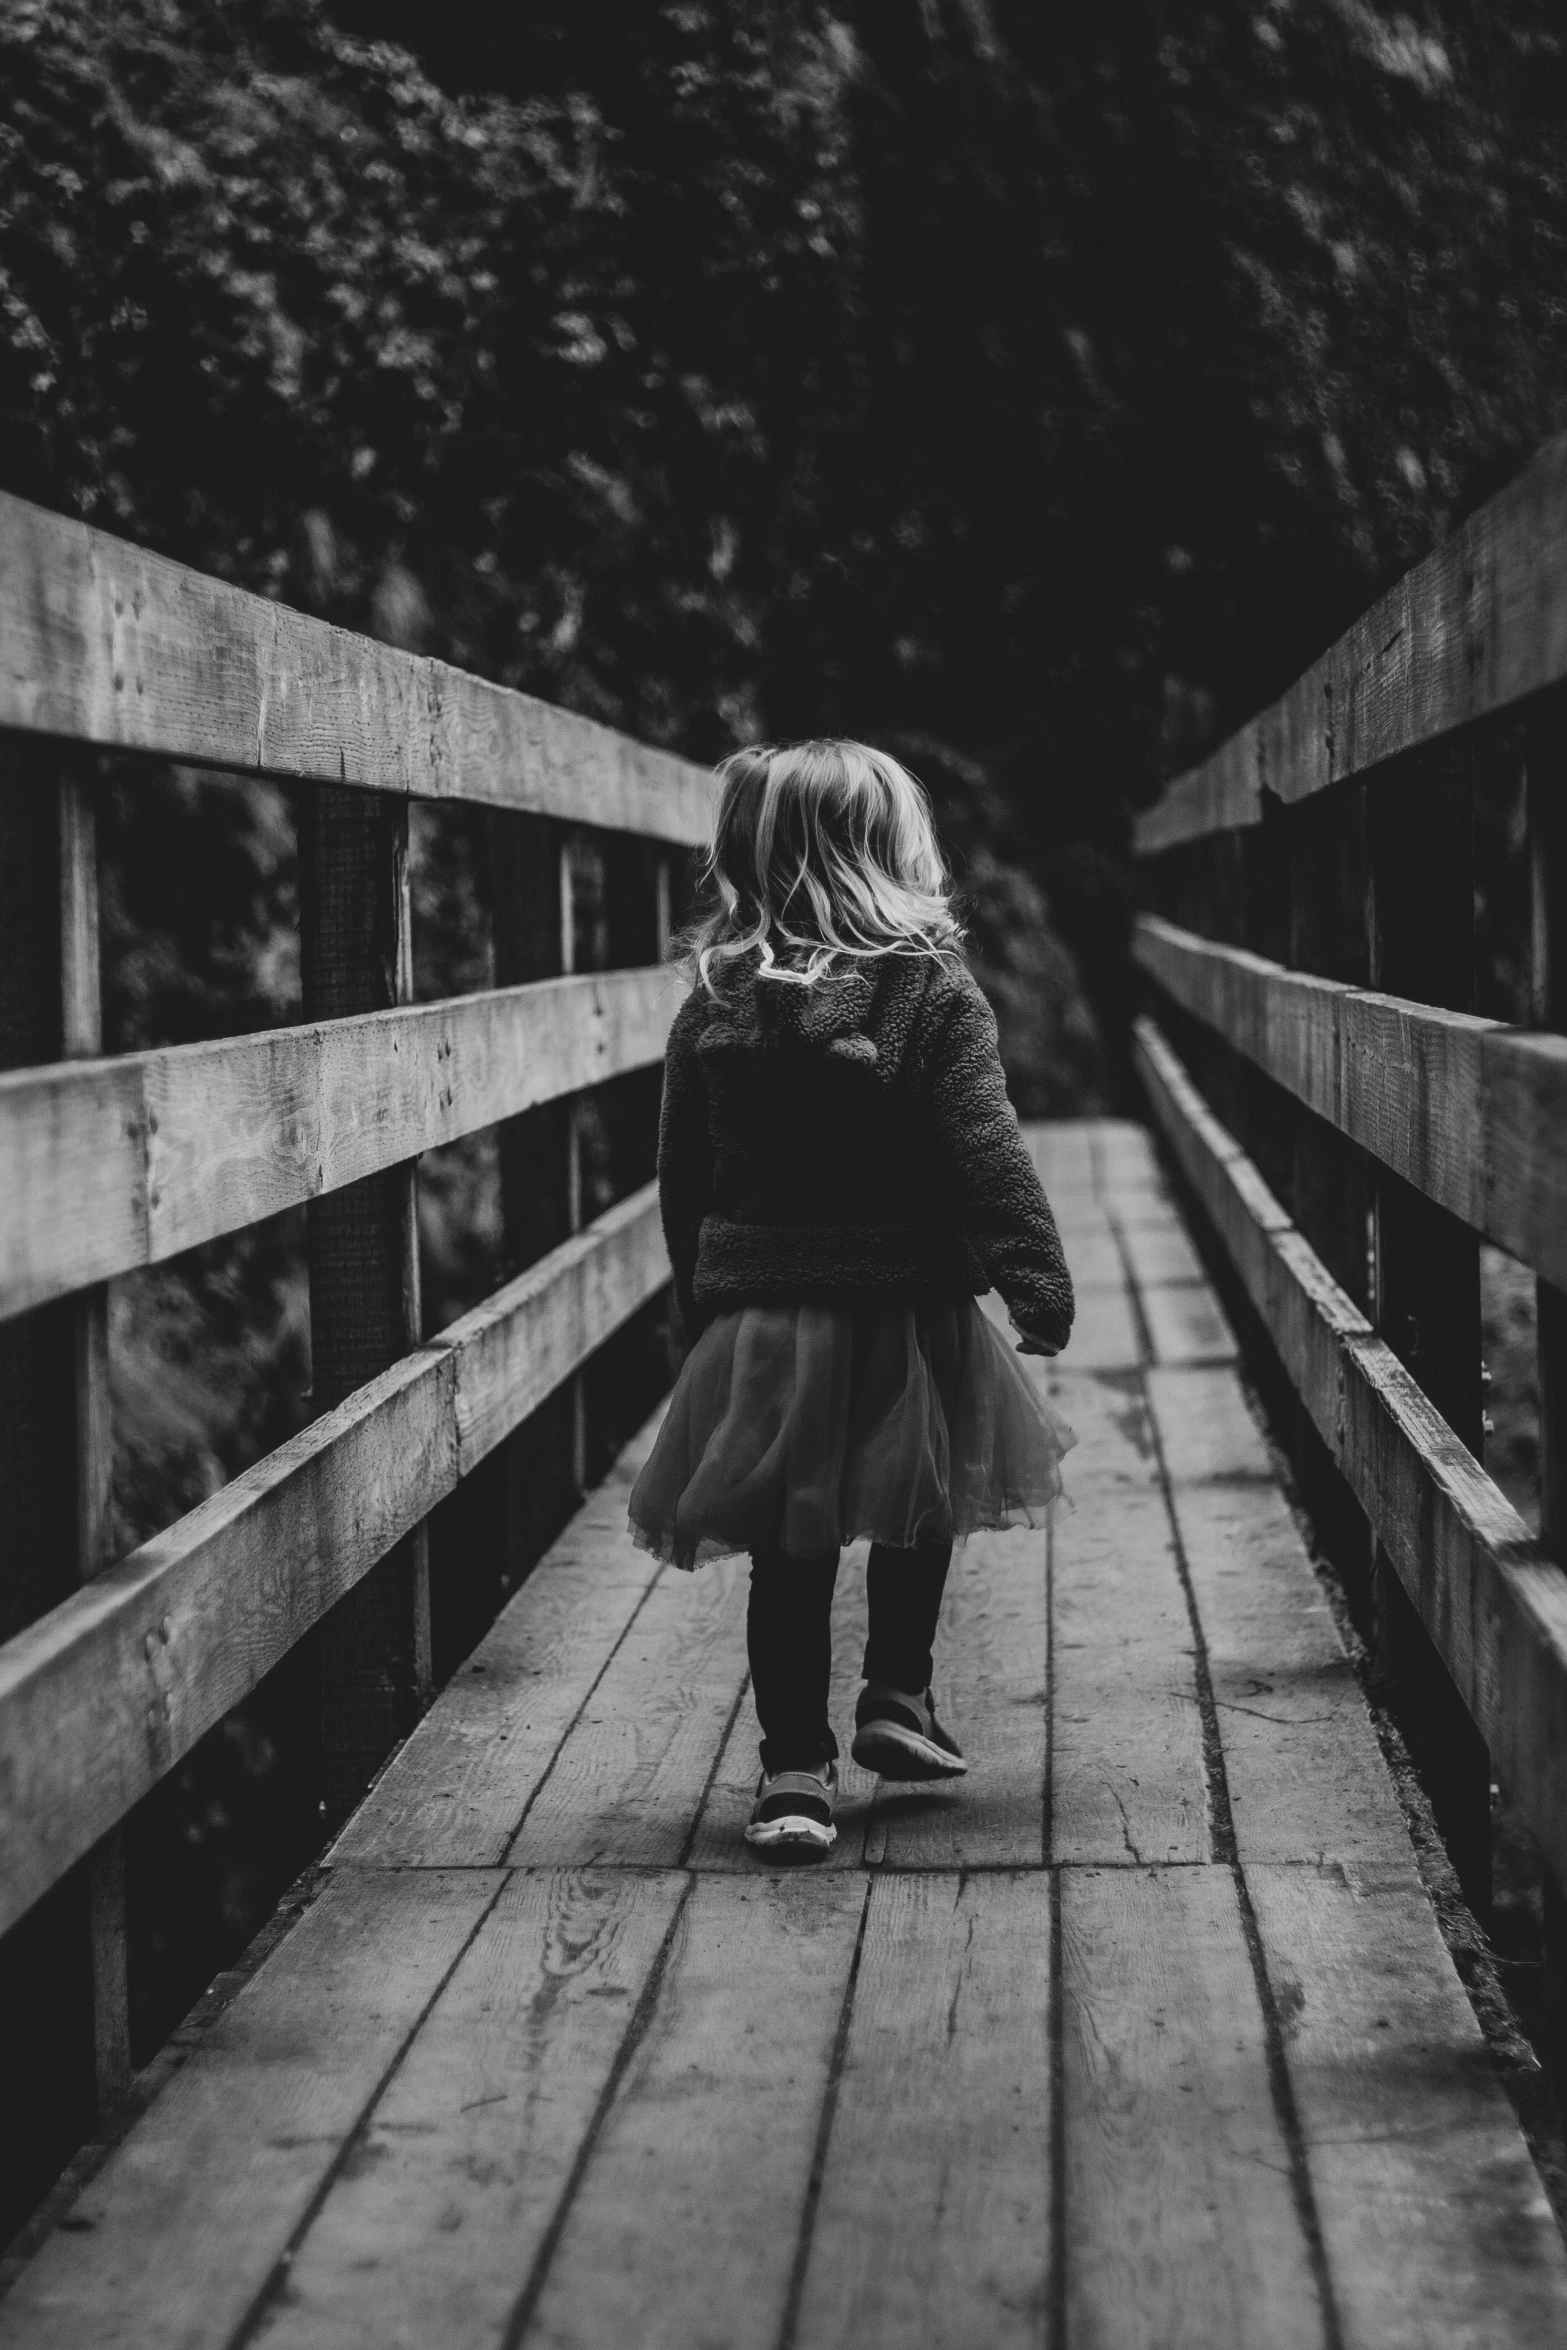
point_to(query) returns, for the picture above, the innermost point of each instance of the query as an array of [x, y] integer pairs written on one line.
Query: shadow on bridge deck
[[1143, 2035]]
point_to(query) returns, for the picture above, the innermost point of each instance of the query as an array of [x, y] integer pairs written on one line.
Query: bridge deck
[[1143, 2035]]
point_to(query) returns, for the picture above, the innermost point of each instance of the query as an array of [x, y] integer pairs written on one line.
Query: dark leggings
[[789, 1635]]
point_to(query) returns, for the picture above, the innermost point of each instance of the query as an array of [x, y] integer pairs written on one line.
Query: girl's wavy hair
[[820, 850]]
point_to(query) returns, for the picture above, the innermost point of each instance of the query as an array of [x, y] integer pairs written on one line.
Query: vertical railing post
[[1421, 933], [81, 1038], [1546, 773], [1330, 1195], [356, 956], [62, 1969], [525, 867], [569, 855]]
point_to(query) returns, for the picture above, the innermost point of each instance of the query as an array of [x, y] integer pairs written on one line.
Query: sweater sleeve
[[1006, 1216], [685, 1157]]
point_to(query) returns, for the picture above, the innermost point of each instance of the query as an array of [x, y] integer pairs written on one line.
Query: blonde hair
[[820, 850]]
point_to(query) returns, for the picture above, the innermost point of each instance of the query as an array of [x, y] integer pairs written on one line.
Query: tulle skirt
[[904, 1419]]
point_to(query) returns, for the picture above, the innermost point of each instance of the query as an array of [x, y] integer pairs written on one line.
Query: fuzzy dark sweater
[[848, 1136]]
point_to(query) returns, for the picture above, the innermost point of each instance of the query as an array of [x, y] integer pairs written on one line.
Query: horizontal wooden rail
[[105, 644], [1467, 1110], [1476, 627], [1494, 1604], [102, 1697], [107, 1165], [1471, 1112]]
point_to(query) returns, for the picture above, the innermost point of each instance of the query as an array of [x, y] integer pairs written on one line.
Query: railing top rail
[[1476, 627], [104, 644]]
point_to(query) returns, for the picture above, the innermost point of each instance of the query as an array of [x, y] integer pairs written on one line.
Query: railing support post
[[526, 853], [356, 956], [1546, 776], [63, 1969], [1421, 931]]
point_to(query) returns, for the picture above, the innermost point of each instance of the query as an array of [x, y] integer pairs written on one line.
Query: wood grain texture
[[1494, 1604], [628, 1782], [931, 2226], [992, 1651], [176, 2237], [1186, 1323], [1304, 1771], [1128, 1783], [429, 2232], [1206, 1426], [1181, 2226], [1476, 627], [458, 1792], [105, 1694], [109, 645], [1472, 1113], [683, 2230], [106, 1165], [1434, 2221]]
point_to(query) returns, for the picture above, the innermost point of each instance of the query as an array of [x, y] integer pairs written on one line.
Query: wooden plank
[[1475, 628], [1206, 1428], [1186, 1323], [1104, 1332], [992, 1666], [684, 2227], [108, 1165], [1127, 1782], [1425, 1285], [1182, 2231], [1305, 1774], [81, 1025], [1115, 1451], [372, 1651], [430, 2231], [1472, 1113], [176, 2237], [1124, 1158], [110, 645], [458, 1792], [103, 1696], [1494, 1605], [628, 1782], [1526, 1150], [1156, 1254], [1434, 2221], [932, 2225], [1062, 1152]]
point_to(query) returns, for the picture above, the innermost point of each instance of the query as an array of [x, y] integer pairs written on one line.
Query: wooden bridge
[[1146, 2034]]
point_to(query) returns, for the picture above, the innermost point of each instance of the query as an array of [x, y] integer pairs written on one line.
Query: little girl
[[840, 1174]]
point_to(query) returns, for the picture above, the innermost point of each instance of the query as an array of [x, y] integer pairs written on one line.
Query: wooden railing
[[115, 1668], [1353, 1130]]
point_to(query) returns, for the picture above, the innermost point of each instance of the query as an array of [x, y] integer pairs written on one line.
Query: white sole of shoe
[[793, 1829], [895, 1753]]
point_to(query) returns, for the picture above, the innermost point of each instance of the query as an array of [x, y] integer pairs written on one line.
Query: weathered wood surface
[[1494, 1604], [554, 2060], [106, 1165], [1472, 1113], [1475, 628], [102, 1696], [110, 645]]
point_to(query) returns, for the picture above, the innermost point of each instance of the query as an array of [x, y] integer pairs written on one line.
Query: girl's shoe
[[898, 1736], [793, 1810]]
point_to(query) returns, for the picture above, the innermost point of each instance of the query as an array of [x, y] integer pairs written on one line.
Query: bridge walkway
[[1145, 2034]]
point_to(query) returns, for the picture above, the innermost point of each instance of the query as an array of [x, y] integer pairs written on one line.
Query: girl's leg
[[904, 1589], [788, 1631]]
